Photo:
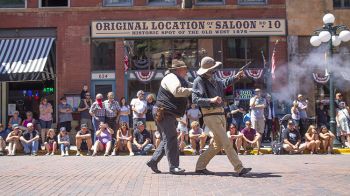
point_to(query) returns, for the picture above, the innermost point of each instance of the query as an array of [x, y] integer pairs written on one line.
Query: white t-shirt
[[194, 113], [140, 106]]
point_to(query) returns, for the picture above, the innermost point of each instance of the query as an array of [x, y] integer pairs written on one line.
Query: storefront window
[[239, 51], [161, 2], [209, 2], [54, 3], [12, 3], [117, 2], [341, 3], [158, 53], [103, 55], [251, 2]]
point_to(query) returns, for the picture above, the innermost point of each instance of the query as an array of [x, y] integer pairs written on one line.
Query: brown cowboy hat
[[176, 64]]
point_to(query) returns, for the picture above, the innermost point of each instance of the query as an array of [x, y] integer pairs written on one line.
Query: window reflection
[[103, 55]]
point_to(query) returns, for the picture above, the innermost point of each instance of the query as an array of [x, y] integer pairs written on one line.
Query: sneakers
[[2, 153], [78, 153], [244, 171], [114, 153], [194, 152], [34, 154], [106, 155], [47, 154], [177, 171], [94, 154], [88, 153], [66, 154], [132, 154], [52, 153]]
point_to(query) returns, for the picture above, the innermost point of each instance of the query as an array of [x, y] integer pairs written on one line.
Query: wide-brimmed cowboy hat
[[207, 64], [176, 64]]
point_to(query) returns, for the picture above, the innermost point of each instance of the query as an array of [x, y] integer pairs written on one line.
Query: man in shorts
[[83, 137]]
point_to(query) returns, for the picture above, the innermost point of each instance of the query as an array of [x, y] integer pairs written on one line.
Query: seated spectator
[[182, 132], [64, 142], [3, 135], [197, 135], [209, 134], [83, 137], [13, 138], [157, 138], [30, 140], [193, 113], [142, 140], [292, 139], [50, 142], [29, 119], [103, 139], [312, 140], [15, 119], [327, 138], [233, 135], [250, 138], [124, 139]]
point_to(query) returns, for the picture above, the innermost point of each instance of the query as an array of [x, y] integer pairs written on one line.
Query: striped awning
[[25, 59]]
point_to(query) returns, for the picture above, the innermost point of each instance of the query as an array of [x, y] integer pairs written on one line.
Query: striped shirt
[[112, 108], [97, 110]]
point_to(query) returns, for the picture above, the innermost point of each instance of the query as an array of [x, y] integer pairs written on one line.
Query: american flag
[[126, 63], [273, 61]]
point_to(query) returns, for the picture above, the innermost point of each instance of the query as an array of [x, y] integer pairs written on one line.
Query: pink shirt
[[45, 112]]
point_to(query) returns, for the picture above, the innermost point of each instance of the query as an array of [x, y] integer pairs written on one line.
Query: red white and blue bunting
[[222, 74], [254, 73], [145, 76], [142, 63], [321, 78]]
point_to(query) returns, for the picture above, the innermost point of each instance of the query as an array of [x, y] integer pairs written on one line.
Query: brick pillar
[[119, 68]]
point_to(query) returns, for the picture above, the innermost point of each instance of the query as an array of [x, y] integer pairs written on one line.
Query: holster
[[159, 114]]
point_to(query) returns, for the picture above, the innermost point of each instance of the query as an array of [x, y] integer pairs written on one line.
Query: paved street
[[271, 175]]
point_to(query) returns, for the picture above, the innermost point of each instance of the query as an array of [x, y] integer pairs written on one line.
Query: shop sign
[[103, 76], [244, 94], [188, 28]]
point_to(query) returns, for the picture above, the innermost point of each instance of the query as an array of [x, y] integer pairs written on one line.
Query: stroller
[[277, 145]]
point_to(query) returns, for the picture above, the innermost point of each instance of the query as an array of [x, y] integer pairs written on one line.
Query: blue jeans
[[31, 147], [145, 150], [96, 124], [63, 148]]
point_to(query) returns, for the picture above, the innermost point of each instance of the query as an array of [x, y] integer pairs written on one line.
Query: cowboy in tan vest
[[208, 93]]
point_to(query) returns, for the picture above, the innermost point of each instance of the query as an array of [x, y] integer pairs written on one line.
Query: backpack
[[277, 147]]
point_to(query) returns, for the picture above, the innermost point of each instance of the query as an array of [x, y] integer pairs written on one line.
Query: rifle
[[245, 66]]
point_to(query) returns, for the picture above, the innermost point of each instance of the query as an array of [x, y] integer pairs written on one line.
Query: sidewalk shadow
[[234, 174]]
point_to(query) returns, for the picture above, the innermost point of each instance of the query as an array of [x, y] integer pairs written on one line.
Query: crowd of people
[[105, 127]]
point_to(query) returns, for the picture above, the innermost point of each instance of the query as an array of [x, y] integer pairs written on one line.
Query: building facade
[[126, 45]]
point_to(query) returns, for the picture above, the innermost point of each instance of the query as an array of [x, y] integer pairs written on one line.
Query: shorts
[[66, 124], [50, 146], [151, 126], [45, 124], [182, 129], [258, 125]]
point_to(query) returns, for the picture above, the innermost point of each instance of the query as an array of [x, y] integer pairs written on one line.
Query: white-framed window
[[161, 2], [112, 3], [210, 2], [54, 3], [252, 2], [341, 3], [13, 4]]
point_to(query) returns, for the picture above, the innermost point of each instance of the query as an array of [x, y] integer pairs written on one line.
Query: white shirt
[[172, 84], [140, 106]]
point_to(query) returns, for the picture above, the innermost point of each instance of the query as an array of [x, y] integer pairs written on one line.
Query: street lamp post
[[333, 35]]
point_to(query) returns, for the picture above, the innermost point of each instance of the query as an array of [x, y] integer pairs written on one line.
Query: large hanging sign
[[187, 28]]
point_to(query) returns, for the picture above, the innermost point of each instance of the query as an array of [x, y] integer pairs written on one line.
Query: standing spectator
[[142, 140], [3, 135], [29, 119], [30, 140], [237, 113], [13, 138], [312, 140], [269, 116], [45, 118], [124, 111], [83, 136], [294, 110], [182, 127], [193, 114], [112, 110], [327, 138], [64, 142], [84, 107], [302, 106], [84, 91], [257, 105], [65, 114], [322, 115], [103, 139], [124, 139], [234, 136], [292, 139], [343, 130], [139, 108], [15, 119], [197, 135], [338, 99], [150, 123], [250, 138], [51, 142], [98, 113]]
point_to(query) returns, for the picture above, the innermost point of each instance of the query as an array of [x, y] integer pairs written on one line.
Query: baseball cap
[[83, 126], [63, 129], [290, 122], [139, 123], [15, 126], [29, 124]]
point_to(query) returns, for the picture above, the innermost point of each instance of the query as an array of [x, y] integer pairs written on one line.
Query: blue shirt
[[4, 133]]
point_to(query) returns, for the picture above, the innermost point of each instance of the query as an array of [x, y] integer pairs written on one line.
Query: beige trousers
[[217, 124]]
